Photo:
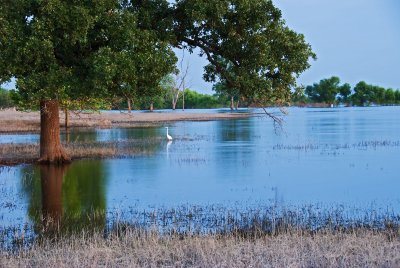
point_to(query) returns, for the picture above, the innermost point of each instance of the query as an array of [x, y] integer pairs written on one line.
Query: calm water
[[329, 157]]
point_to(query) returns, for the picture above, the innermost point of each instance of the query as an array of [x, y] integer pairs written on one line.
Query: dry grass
[[362, 248], [12, 154]]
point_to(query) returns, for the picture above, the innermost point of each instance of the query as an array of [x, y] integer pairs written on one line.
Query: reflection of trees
[[239, 130], [51, 182], [66, 198], [236, 137]]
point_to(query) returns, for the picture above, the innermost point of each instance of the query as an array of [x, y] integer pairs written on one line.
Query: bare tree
[[179, 84]]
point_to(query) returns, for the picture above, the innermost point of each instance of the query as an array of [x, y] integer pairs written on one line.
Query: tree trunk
[[237, 105], [151, 107], [51, 150], [232, 103], [66, 121], [173, 104], [129, 105], [183, 100]]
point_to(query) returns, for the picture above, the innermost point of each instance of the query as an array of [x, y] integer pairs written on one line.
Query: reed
[[139, 248]]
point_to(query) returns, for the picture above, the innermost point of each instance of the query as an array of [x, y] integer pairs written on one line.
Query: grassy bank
[[133, 248]]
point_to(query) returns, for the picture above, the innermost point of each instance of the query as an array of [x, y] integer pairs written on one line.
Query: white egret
[[168, 136]]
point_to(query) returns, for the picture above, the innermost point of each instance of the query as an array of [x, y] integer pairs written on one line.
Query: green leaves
[[247, 44], [76, 50], [324, 91]]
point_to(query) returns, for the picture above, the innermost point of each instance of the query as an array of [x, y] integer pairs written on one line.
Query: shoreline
[[12, 121], [16, 122]]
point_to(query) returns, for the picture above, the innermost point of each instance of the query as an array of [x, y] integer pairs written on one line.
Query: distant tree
[[195, 100], [327, 90], [222, 89], [344, 93], [390, 96], [365, 94], [298, 95], [362, 94], [397, 96], [5, 99]]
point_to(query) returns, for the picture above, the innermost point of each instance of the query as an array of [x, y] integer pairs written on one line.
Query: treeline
[[325, 93], [189, 99], [331, 92]]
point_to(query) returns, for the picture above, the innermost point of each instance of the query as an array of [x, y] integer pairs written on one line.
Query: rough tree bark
[[51, 150]]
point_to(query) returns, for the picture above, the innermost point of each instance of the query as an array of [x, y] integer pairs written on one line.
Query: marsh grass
[[132, 247], [362, 145], [11, 154], [215, 236]]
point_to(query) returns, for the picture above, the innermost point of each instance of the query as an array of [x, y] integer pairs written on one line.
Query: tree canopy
[[247, 44], [327, 90], [330, 91], [79, 49]]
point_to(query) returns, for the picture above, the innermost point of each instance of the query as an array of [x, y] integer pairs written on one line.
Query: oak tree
[[62, 50]]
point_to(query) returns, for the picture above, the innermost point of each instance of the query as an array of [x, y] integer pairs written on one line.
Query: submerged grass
[[216, 236], [362, 145]]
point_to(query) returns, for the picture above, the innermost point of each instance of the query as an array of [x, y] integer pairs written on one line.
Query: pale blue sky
[[353, 39]]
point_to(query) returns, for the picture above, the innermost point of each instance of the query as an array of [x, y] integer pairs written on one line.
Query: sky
[[356, 40]]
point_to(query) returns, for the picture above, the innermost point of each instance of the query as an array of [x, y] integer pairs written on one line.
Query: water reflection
[[319, 160], [235, 146], [51, 182], [66, 198]]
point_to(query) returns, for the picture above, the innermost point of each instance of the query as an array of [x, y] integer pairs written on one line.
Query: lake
[[338, 157]]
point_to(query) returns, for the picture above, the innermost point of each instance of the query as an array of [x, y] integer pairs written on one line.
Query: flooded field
[[322, 163]]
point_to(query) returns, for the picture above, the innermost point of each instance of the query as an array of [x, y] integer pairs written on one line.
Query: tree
[[5, 98], [77, 50], [390, 97], [397, 96], [223, 90], [298, 96], [362, 94], [344, 93], [326, 90], [247, 44]]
